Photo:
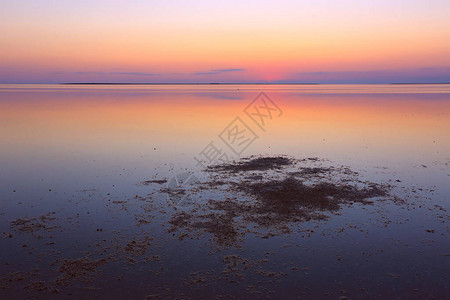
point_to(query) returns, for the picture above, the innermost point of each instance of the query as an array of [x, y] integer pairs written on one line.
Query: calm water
[[80, 152]]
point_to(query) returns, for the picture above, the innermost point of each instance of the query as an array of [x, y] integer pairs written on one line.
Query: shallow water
[[81, 151]]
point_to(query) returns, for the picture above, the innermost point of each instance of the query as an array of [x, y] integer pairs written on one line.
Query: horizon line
[[235, 83], [230, 83]]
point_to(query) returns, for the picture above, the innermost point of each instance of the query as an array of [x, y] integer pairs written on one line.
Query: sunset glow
[[234, 41], [240, 149]]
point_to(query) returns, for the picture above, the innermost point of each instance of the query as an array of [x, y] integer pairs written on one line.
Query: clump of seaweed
[[253, 164], [285, 196], [157, 181], [221, 224], [138, 246], [82, 269], [31, 225], [273, 200]]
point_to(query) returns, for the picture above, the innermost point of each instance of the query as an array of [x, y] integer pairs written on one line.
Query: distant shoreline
[[230, 83], [227, 83], [200, 83]]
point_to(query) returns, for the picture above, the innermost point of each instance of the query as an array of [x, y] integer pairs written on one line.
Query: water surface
[[79, 153]]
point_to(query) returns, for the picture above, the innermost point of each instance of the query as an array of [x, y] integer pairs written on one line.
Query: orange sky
[[236, 41]]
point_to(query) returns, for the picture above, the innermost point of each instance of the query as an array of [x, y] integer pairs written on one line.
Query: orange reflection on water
[[126, 122]]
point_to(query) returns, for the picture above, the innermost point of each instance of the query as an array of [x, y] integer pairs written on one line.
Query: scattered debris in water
[[253, 164], [82, 269], [138, 246], [157, 181], [31, 225], [269, 195]]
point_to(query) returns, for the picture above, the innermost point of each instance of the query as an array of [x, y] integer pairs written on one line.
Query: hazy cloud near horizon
[[419, 75], [238, 75], [134, 73], [219, 71]]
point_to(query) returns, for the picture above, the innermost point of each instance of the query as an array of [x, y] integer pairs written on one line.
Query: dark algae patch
[[288, 195], [157, 181], [82, 269], [31, 225], [268, 196], [253, 164]]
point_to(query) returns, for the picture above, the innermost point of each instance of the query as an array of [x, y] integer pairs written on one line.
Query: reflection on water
[[84, 173]]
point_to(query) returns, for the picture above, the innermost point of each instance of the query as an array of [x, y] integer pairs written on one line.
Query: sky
[[242, 41]]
